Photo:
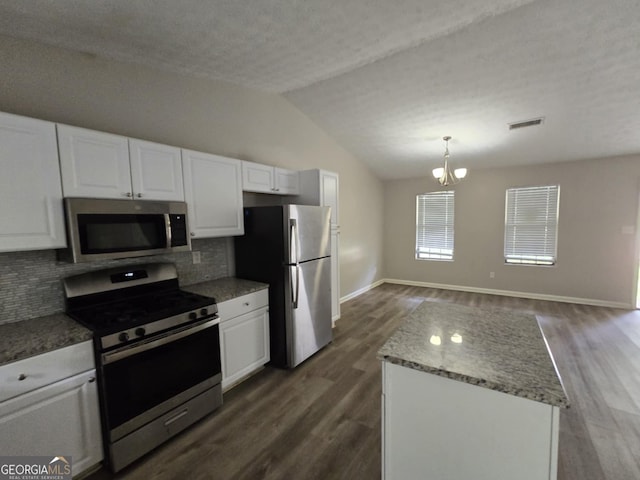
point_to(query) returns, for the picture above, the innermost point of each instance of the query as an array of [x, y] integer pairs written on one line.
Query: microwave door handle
[[167, 226]]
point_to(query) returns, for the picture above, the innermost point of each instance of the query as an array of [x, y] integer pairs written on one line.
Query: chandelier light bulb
[[460, 173]]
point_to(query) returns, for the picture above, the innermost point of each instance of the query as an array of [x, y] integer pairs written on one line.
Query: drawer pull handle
[[176, 418], [22, 376]]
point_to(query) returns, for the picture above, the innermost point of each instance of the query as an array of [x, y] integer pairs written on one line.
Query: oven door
[[145, 380]]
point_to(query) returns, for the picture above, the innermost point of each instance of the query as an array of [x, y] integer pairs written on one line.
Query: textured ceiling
[[387, 79]]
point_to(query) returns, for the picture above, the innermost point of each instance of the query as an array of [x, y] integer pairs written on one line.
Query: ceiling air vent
[[526, 123]]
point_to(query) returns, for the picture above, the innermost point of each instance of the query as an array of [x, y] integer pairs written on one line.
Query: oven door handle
[[165, 339]]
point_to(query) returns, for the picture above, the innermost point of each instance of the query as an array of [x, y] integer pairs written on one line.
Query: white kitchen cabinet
[[244, 336], [30, 191], [213, 191], [93, 164], [156, 171], [266, 179], [53, 408], [102, 165], [320, 187], [436, 427]]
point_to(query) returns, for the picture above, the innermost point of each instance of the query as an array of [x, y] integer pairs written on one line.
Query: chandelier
[[443, 174]]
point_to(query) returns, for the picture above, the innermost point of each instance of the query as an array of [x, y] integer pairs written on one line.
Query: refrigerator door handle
[[294, 242], [295, 289]]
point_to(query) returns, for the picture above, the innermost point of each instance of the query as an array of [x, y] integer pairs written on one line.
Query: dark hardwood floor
[[322, 420]]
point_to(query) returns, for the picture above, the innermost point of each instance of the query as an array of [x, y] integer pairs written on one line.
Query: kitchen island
[[469, 393]]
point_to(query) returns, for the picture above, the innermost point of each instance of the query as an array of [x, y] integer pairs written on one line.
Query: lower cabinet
[[437, 427], [244, 336], [58, 419]]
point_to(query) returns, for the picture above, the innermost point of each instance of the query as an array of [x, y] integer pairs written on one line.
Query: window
[[531, 225], [434, 226]]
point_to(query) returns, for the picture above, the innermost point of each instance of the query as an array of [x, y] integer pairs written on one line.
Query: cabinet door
[[93, 164], [156, 171], [257, 178], [286, 181], [213, 191], [335, 276], [30, 191], [457, 430], [329, 195], [244, 345], [59, 419]]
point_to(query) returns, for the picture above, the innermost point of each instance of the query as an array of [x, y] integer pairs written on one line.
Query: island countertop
[[498, 349]]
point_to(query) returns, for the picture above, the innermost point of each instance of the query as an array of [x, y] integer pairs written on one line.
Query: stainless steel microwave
[[100, 229]]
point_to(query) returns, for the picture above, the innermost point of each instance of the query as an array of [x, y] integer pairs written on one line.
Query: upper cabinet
[[93, 164], [103, 165], [266, 179], [156, 171], [320, 187], [213, 191], [30, 192]]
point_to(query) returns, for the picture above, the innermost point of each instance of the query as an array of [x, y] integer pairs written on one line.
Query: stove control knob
[[193, 316], [140, 332], [123, 337], [204, 312]]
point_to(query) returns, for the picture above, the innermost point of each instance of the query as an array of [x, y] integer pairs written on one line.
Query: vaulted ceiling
[[387, 79]]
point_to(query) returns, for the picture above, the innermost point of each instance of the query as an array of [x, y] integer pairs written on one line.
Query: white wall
[[598, 198], [596, 260], [80, 89]]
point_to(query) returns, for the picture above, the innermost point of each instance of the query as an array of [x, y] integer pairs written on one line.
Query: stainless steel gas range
[[157, 354]]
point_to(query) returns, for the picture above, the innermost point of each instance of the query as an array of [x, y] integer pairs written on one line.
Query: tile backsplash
[[31, 282]]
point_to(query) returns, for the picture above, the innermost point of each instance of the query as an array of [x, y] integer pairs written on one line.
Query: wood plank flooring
[[322, 420]]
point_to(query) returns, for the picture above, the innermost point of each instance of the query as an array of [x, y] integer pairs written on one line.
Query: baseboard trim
[[510, 293], [361, 291]]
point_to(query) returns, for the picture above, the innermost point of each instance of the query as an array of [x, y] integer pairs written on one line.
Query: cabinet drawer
[[244, 304], [34, 372]]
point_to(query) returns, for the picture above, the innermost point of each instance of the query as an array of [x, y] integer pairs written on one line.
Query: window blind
[[531, 225], [434, 225]]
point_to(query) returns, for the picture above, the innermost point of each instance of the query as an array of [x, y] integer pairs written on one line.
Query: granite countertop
[[493, 348], [226, 288], [25, 339]]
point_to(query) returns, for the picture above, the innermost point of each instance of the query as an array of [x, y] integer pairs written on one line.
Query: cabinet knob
[[192, 234], [246, 304], [139, 195], [128, 194], [22, 376], [92, 379]]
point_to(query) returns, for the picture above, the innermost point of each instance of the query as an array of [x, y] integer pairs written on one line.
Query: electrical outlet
[[196, 257], [492, 274]]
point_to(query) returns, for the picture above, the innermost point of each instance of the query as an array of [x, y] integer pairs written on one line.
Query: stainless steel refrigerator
[[288, 247]]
